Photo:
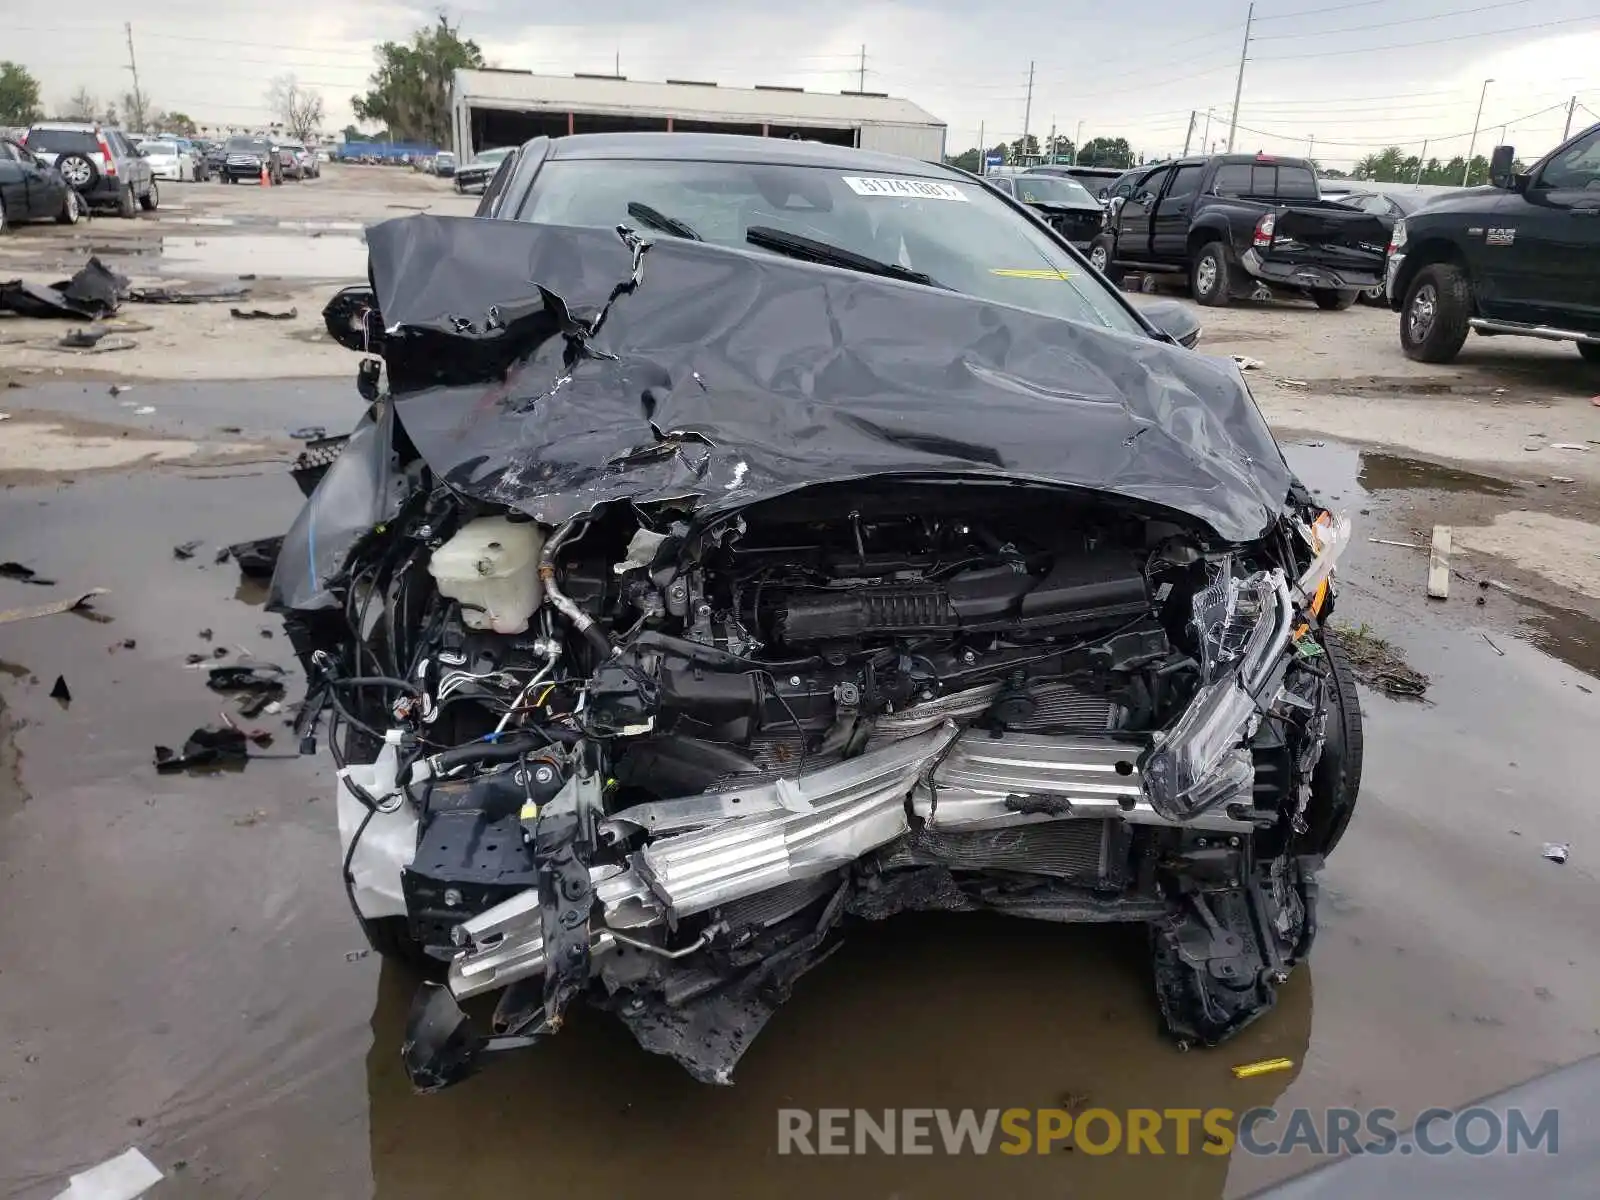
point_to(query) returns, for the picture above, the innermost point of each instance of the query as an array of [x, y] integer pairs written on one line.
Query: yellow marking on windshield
[[1029, 273]]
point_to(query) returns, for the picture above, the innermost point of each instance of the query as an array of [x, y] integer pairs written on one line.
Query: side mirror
[[1500, 166], [1174, 319]]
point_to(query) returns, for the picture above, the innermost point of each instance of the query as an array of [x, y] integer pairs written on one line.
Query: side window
[[1005, 185], [1232, 179], [7, 154], [1151, 184], [1185, 182], [1575, 168]]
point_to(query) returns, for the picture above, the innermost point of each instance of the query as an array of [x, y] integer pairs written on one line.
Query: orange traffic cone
[[266, 180]]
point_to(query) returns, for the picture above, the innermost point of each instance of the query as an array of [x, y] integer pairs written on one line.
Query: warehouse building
[[505, 108]]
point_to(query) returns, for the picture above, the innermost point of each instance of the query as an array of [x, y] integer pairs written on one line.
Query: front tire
[[71, 209], [1208, 276], [1333, 300], [1434, 319], [1102, 256], [1336, 782]]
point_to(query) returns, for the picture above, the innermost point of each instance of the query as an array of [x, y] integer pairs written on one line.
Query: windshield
[[160, 149], [493, 156], [247, 145], [1053, 189], [958, 234]]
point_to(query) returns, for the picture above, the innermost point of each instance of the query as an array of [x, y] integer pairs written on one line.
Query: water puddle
[[264, 255], [1388, 472]]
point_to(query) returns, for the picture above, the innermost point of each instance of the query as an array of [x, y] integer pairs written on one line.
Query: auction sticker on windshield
[[906, 189]]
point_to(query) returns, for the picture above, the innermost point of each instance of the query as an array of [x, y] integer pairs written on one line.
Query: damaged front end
[[662, 639]]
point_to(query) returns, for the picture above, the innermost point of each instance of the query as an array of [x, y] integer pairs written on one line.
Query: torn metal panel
[[790, 374]]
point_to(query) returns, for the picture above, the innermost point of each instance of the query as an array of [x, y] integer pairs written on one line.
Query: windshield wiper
[[811, 250], [657, 219]]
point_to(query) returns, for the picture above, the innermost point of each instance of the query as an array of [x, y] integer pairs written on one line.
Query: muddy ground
[[179, 969]]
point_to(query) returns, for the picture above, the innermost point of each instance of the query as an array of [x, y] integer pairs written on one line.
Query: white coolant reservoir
[[492, 567]]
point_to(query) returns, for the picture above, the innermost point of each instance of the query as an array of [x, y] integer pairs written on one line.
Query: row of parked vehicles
[[1519, 256], [64, 169]]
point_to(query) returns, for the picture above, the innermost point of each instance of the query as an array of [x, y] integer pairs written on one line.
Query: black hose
[[349, 857], [388, 681], [509, 749]]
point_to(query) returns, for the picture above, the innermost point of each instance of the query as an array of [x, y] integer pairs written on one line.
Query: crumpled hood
[[554, 369]]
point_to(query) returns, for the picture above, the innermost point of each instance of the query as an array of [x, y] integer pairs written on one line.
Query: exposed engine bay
[[660, 642], [658, 762]]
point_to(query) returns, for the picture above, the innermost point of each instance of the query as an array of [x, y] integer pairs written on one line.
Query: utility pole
[[983, 152], [616, 68], [1422, 158], [1466, 171], [1189, 132], [138, 96], [1205, 138], [1566, 130], [1238, 88], [1027, 112], [862, 85], [1050, 150], [1311, 146], [1077, 143]]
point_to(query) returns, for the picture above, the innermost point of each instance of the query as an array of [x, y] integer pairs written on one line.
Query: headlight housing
[[1242, 626]]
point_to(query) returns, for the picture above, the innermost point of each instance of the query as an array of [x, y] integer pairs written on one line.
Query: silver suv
[[102, 165]]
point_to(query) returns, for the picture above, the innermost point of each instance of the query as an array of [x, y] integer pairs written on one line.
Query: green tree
[[19, 95], [968, 160], [1060, 146], [1023, 147], [300, 109], [179, 123], [1106, 152], [410, 90], [1002, 152]]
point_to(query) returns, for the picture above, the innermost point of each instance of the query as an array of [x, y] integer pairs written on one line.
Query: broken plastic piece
[[12, 615], [1557, 852], [127, 1175], [217, 749], [256, 559], [261, 314], [15, 570], [61, 691], [186, 550], [1265, 1066]]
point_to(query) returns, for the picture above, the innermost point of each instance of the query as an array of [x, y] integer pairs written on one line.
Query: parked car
[[1239, 225], [475, 175], [199, 168], [444, 164], [245, 157], [1387, 207], [1521, 256], [1096, 180], [99, 162], [1064, 204], [836, 545], [33, 190], [309, 162], [167, 159], [216, 158], [294, 166]]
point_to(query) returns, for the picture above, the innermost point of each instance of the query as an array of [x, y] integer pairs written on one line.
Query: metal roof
[[728, 147], [687, 100]]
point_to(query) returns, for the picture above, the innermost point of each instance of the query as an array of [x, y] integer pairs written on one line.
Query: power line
[[1460, 37], [1432, 137], [1312, 12], [1460, 12]]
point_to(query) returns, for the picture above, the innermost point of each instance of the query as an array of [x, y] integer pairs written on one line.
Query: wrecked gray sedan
[[801, 537]]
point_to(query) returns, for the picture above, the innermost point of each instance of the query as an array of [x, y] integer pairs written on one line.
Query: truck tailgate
[[1333, 236]]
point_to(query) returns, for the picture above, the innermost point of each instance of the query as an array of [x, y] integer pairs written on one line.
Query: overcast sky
[[1339, 70]]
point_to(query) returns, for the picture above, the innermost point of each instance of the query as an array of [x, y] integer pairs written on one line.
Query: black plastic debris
[[167, 295], [259, 685], [309, 433], [15, 570], [223, 554], [257, 559], [94, 292], [208, 748], [186, 550], [261, 314], [194, 660], [61, 691], [82, 339]]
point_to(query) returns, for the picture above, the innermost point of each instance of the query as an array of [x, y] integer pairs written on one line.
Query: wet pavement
[[181, 971]]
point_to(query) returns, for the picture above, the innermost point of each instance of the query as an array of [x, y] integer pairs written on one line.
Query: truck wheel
[[1590, 351], [1332, 298], [1208, 276], [1101, 253], [1433, 321]]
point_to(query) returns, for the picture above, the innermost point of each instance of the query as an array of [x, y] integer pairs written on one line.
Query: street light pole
[[1473, 144], [1238, 88]]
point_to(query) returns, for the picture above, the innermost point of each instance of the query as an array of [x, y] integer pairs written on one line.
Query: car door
[[1135, 214], [1173, 211], [13, 184], [1005, 183], [47, 191], [1550, 233]]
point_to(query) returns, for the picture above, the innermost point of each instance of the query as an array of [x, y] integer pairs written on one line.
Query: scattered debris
[[260, 685], [82, 339], [3, 415], [129, 644], [356, 955], [186, 550], [308, 433], [167, 295], [1439, 564], [1557, 852], [1378, 665], [15, 570], [251, 818], [124, 1177], [61, 691], [1490, 640], [1389, 542], [206, 635], [194, 660], [80, 601], [1569, 446], [1294, 383], [1266, 1066], [261, 314], [259, 558], [94, 292], [144, 410], [217, 749], [118, 388], [1246, 363], [1562, 479]]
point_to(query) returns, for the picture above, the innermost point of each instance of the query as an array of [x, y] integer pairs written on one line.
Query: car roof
[[69, 126], [731, 147]]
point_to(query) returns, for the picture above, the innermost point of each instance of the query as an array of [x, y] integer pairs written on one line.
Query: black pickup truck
[[1239, 224], [1521, 256]]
